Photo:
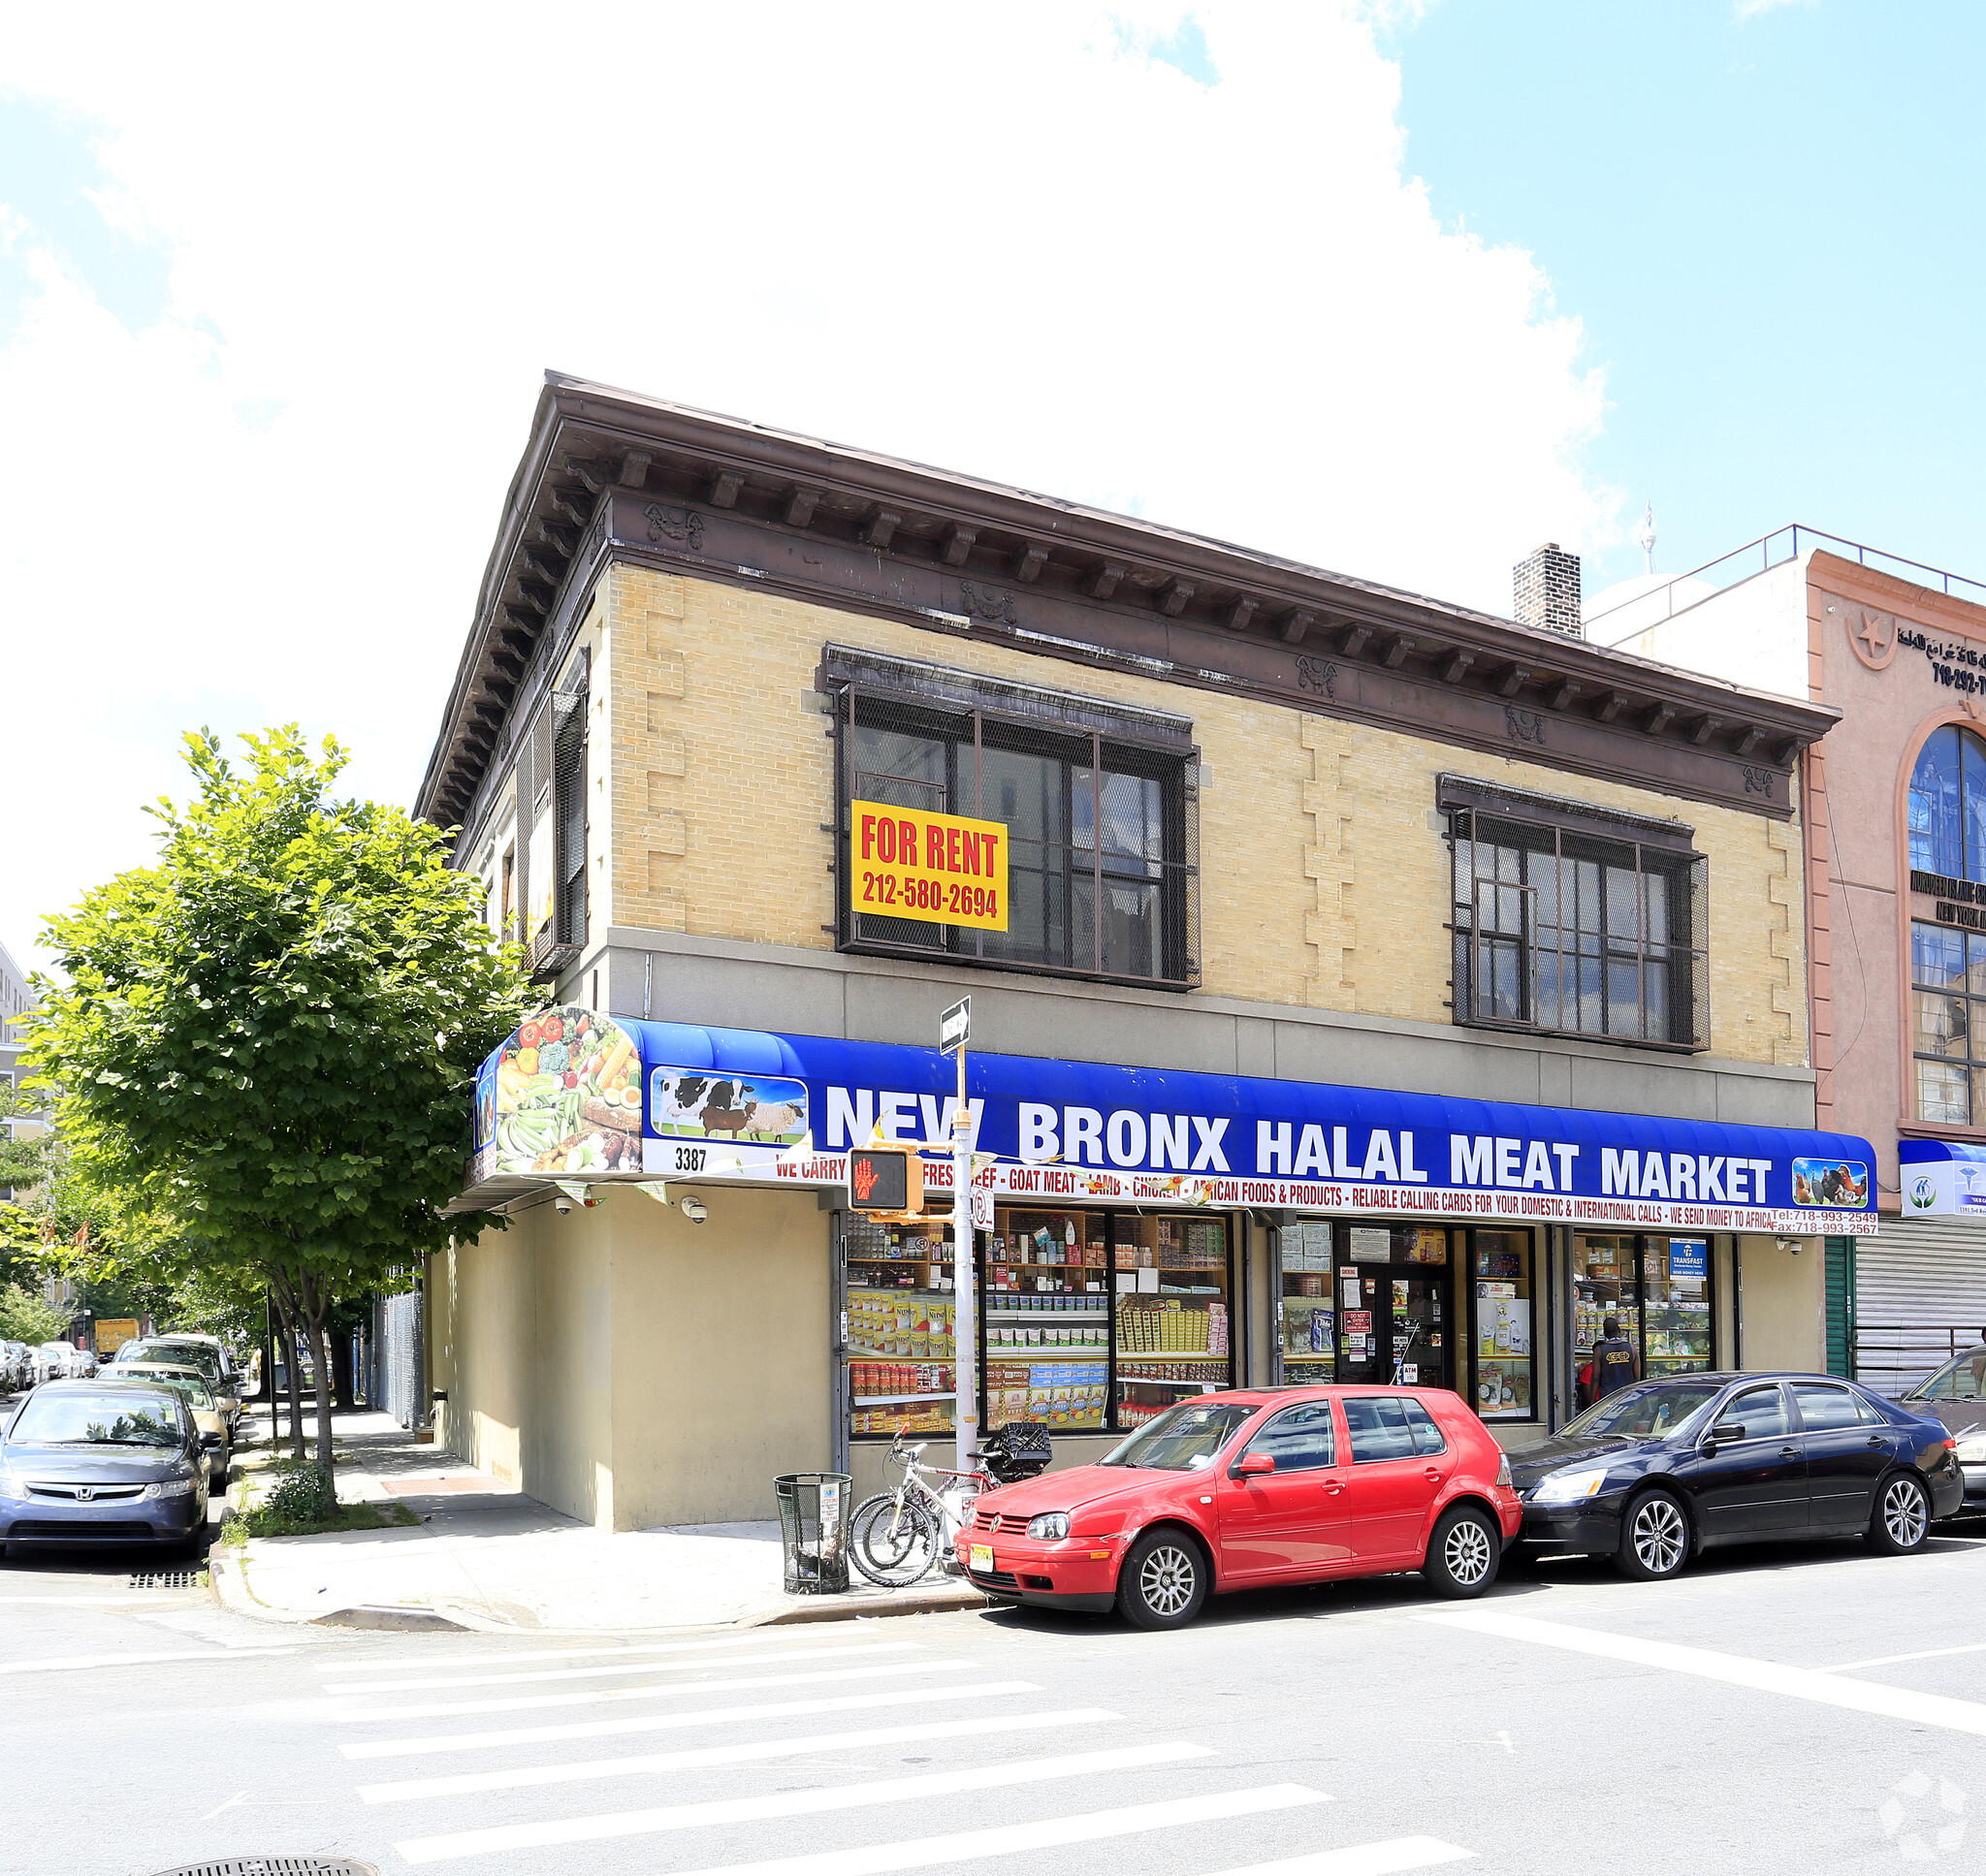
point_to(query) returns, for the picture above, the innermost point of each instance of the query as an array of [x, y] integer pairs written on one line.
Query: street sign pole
[[953, 1028]]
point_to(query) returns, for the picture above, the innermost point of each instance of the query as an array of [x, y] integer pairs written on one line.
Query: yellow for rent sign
[[906, 862]]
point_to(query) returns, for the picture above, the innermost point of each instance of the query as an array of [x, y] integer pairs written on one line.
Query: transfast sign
[[906, 862]]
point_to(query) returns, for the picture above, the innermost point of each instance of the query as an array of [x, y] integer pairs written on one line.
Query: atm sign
[[907, 863]]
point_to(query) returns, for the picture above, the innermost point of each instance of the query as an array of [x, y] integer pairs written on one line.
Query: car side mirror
[[1252, 1465], [211, 1441], [1726, 1431]]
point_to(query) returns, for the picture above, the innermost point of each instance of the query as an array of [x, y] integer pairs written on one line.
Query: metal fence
[[398, 1382], [1893, 1357]]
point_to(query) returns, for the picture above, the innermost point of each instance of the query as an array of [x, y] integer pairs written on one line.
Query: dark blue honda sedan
[[92, 1462], [1662, 1470]]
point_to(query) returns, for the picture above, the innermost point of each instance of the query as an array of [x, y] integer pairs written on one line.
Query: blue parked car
[[92, 1462]]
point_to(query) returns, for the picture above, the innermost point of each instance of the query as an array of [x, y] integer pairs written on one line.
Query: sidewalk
[[486, 1556]]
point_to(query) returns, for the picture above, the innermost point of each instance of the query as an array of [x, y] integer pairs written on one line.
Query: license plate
[[981, 1558]]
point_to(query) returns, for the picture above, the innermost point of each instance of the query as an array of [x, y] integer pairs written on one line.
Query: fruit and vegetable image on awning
[[563, 1095]]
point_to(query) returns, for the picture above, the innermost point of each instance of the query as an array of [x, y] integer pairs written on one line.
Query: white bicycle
[[896, 1539]]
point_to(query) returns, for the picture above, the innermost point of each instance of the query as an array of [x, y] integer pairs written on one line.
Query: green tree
[[270, 1036], [25, 1317]]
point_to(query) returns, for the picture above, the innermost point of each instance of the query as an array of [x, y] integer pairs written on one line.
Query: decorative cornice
[[634, 478]]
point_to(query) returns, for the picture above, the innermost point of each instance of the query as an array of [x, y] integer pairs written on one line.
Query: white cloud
[[1032, 251], [1751, 8]]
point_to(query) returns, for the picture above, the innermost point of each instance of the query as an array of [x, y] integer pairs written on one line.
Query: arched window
[[1948, 805]]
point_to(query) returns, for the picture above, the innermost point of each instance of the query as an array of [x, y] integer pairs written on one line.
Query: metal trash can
[[814, 1531]]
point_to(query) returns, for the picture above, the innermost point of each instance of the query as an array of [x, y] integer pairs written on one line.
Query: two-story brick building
[[1362, 986]]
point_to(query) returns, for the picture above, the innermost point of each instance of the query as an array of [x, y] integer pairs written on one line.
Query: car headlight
[[1049, 1527], [12, 1488], [168, 1488], [1971, 1451], [1568, 1487]]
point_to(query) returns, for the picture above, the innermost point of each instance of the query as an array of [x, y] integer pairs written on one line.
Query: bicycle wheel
[[892, 1544]]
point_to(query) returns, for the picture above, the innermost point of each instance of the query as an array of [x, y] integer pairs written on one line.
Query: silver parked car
[[16, 1367], [201, 1351]]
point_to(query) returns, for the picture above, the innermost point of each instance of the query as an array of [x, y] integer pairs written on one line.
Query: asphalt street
[[1799, 1708]]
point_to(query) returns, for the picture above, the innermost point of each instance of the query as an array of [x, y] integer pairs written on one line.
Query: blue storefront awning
[[1941, 1178], [740, 1101]]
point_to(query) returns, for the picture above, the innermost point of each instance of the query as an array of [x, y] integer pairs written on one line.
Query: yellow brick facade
[[1323, 881]]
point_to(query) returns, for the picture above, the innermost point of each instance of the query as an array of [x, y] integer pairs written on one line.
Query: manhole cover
[[163, 1579], [276, 1866]]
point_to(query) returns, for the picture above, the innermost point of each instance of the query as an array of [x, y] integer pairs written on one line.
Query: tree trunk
[[341, 1368], [287, 1320], [317, 1304]]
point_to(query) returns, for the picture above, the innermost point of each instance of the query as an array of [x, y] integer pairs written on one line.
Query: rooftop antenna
[[1647, 536]]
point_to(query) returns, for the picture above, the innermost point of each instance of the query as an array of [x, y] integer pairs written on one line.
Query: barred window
[[1101, 841], [1948, 1023], [1571, 926]]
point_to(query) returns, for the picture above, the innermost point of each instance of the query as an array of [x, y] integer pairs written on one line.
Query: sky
[[1398, 289]]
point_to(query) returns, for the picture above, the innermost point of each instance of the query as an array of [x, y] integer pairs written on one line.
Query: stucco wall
[[1784, 1323], [1325, 874], [519, 1339], [721, 1363]]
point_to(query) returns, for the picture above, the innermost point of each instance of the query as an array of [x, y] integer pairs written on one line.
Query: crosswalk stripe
[[618, 1668], [708, 1645], [538, 1735], [529, 1702], [787, 1805], [403, 1790], [59, 1664], [1384, 1859], [1008, 1839]]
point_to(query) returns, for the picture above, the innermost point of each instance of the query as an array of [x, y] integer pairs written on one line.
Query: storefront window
[[1047, 1321], [1676, 1315], [901, 1351], [1505, 1375], [1172, 1315], [1657, 1290], [1309, 1326]]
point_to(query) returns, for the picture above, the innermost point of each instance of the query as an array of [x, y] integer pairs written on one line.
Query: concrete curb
[[228, 1584]]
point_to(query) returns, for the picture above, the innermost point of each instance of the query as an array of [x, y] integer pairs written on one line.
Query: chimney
[[1548, 589]]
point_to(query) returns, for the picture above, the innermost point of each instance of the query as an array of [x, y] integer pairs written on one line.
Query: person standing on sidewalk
[[1614, 1361]]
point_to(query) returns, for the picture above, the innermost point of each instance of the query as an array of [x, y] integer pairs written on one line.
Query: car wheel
[[1902, 1515], [1163, 1582], [1463, 1553], [1654, 1538]]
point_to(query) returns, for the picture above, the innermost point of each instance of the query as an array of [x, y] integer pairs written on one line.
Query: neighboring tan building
[[1895, 811], [1362, 986]]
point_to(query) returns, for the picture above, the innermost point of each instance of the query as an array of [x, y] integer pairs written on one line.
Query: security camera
[[562, 1204], [695, 1210]]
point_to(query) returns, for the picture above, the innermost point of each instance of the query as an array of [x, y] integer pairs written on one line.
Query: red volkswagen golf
[[1232, 1491]]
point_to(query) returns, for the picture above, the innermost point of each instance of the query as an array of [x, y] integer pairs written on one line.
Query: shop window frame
[[1519, 925], [1539, 1299], [1641, 1242], [971, 717]]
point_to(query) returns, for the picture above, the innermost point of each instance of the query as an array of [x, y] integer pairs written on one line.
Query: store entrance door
[[1394, 1325]]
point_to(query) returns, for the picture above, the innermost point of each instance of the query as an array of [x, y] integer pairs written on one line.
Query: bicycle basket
[[1018, 1450]]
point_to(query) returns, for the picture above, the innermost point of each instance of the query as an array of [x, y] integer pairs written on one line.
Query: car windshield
[[1184, 1437], [182, 1355], [95, 1421], [1962, 1380], [190, 1385], [1649, 1412]]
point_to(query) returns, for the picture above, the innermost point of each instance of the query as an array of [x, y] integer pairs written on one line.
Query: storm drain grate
[[276, 1866], [168, 1579]]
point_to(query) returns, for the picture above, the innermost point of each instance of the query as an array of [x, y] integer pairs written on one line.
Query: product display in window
[[1656, 1289], [1046, 1307], [902, 1324], [1172, 1305], [1504, 1355]]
